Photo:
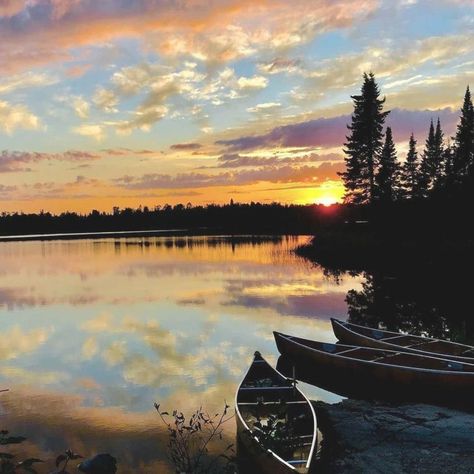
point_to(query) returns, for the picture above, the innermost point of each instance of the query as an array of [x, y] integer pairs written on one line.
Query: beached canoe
[[398, 374], [265, 399], [356, 335]]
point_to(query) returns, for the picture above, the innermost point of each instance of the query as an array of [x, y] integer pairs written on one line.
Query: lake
[[94, 331]]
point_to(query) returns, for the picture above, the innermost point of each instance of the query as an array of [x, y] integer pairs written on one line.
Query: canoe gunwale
[[269, 451], [411, 349], [369, 363]]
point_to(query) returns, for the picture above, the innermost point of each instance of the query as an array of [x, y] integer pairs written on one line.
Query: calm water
[[95, 331]]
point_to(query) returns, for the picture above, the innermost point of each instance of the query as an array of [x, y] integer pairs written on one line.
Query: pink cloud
[[50, 29], [272, 174], [331, 132]]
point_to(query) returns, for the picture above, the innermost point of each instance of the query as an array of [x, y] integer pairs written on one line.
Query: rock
[[99, 464], [370, 437]]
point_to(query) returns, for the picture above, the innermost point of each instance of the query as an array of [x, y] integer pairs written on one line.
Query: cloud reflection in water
[[95, 331]]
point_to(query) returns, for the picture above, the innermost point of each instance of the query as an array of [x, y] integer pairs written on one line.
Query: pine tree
[[409, 172], [449, 178], [387, 176], [424, 176], [364, 143], [464, 140], [437, 170]]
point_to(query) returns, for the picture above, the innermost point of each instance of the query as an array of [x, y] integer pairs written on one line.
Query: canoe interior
[[419, 343], [264, 392], [404, 359]]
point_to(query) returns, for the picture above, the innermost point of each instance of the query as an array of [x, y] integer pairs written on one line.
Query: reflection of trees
[[434, 301]]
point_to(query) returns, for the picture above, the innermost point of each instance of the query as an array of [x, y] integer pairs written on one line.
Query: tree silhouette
[[437, 169], [364, 143], [464, 140], [409, 172], [388, 172], [427, 163]]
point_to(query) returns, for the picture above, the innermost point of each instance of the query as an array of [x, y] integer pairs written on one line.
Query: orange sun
[[326, 200]]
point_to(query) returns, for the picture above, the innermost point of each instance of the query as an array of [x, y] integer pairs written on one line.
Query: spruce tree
[[424, 176], [409, 172], [449, 175], [437, 170], [364, 143], [464, 140], [387, 175]]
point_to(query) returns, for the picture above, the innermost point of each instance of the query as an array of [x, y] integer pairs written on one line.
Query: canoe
[[264, 399], [356, 335], [399, 375]]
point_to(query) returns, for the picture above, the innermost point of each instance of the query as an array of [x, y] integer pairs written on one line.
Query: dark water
[[94, 331]]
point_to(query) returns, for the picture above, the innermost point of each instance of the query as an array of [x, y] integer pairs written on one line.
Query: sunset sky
[[129, 102]]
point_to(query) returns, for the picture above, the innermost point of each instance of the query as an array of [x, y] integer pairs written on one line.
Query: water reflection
[[94, 331], [428, 300]]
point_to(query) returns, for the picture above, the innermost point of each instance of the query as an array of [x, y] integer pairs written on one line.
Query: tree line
[[374, 173], [235, 218]]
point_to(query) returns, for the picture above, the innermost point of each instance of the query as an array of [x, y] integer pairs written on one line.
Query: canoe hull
[[381, 380], [262, 391], [354, 338]]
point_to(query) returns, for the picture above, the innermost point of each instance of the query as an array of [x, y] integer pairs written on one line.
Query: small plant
[[8, 465], [276, 433], [63, 460], [190, 440]]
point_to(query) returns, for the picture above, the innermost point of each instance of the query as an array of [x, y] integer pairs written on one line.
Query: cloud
[[15, 341], [404, 122], [331, 132], [177, 93], [319, 132], [267, 107], [251, 83], [186, 146], [105, 100], [143, 118], [13, 117], [26, 80], [235, 160], [6, 193], [89, 348], [273, 174], [212, 32], [9, 8], [12, 161], [279, 65], [81, 107], [433, 93], [387, 62], [91, 130]]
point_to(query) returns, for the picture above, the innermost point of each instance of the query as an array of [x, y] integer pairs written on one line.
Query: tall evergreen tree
[[464, 140], [437, 169], [364, 143], [387, 175], [424, 176], [431, 168], [449, 175], [409, 172]]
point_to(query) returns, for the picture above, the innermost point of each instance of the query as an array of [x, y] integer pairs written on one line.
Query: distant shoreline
[[132, 233], [92, 235]]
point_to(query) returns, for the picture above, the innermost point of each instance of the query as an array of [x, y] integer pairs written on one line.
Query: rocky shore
[[372, 437]]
